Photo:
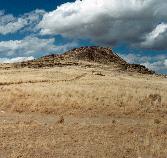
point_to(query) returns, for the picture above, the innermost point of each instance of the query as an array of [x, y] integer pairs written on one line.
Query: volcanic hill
[[83, 56]]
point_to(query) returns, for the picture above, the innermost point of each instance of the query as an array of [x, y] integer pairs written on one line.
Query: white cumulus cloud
[[165, 63], [28, 46], [28, 21], [109, 21], [157, 39], [10, 24], [15, 60], [32, 46]]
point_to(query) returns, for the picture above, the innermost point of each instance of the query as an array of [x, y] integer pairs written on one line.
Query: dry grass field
[[79, 112]]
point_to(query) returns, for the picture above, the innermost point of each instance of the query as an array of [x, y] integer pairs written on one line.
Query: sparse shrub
[[155, 98], [61, 120], [157, 121], [152, 99]]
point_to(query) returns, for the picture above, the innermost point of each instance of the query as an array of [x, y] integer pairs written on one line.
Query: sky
[[135, 29]]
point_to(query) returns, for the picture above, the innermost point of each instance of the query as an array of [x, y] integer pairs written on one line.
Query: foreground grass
[[135, 104]]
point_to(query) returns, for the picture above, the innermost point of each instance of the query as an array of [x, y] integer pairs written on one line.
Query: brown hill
[[91, 54], [95, 54]]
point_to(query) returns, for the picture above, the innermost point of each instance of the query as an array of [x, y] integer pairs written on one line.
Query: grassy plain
[[82, 112]]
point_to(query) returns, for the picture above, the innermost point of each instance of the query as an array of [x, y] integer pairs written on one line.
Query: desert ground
[[82, 112]]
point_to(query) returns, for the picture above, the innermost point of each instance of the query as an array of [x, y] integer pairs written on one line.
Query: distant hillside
[[78, 56]]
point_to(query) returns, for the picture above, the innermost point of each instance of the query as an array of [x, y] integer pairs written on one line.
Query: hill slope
[[91, 55]]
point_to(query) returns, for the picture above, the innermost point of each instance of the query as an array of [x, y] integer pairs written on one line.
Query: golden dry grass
[[82, 112]]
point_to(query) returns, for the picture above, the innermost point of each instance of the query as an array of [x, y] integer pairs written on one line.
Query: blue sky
[[17, 7], [135, 29]]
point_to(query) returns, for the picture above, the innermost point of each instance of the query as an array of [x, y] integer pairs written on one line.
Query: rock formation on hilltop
[[91, 54], [95, 54]]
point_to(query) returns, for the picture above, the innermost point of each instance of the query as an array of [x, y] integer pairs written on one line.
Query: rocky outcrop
[[94, 54], [137, 68], [91, 54]]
